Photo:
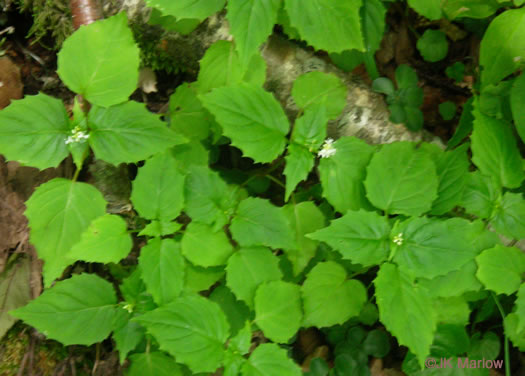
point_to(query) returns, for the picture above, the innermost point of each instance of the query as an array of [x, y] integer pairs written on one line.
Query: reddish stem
[[84, 12]]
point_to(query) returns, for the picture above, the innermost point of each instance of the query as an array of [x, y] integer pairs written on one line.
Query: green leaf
[[456, 71], [511, 330], [85, 302], [318, 88], [480, 195], [414, 118], [158, 189], [90, 64], [431, 9], [406, 77], [15, 292], [160, 228], [454, 283], [383, 85], [127, 335], [162, 269], [450, 340], [509, 216], [238, 316], [299, 163], [453, 310], [377, 343], [33, 131], [465, 124], [520, 307], [269, 359], [405, 310], [128, 133], [105, 240], [249, 268], [258, 222], [373, 18], [208, 198], [360, 236], [487, 347], [429, 248], [447, 110], [278, 310], [205, 247], [452, 170], [201, 279], [59, 211], [251, 22], [221, 66], [184, 329], [502, 46], [494, 150], [305, 217], [470, 8], [433, 45], [187, 115], [500, 269], [343, 173], [153, 364], [182, 9], [411, 176], [517, 103], [252, 118], [329, 297], [327, 25], [310, 129]]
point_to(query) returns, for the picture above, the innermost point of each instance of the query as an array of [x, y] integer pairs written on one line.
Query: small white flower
[[128, 307], [77, 135], [328, 149], [398, 239]]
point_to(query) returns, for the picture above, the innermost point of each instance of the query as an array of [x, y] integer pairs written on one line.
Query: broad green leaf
[[258, 222], [517, 103], [509, 216], [158, 189], [128, 133], [520, 307], [238, 315], [77, 311], [465, 124], [511, 330], [188, 155], [402, 179], [192, 9], [450, 340], [433, 45], [502, 47], [329, 25], [500, 269], [233, 363], [221, 66], [383, 85], [494, 150], [406, 310], [105, 240], [251, 22], [153, 364], [406, 77], [430, 248], [317, 88], [170, 23], [310, 129], [160, 228], [249, 268], [184, 329], [431, 9], [278, 310], [268, 359], [205, 247], [33, 131], [252, 118], [452, 170], [487, 347], [480, 195], [201, 279], [187, 115], [470, 8], [91, 64], [373, 22], [343, 173], [208, 198], [329, 297], [14, 292], [304, 217], [59, 211], [377, 343], [452, 310], [360, 236], [454, 283], [162, 269], [127, 335], [299, 163]]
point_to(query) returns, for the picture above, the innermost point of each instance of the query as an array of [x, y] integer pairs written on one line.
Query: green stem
[[506, 343], [77, 171], [370, 65], [276, 181]]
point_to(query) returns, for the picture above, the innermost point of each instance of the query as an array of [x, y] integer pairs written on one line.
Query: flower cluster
[[328, 149], [77, 135], [398, 239]]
